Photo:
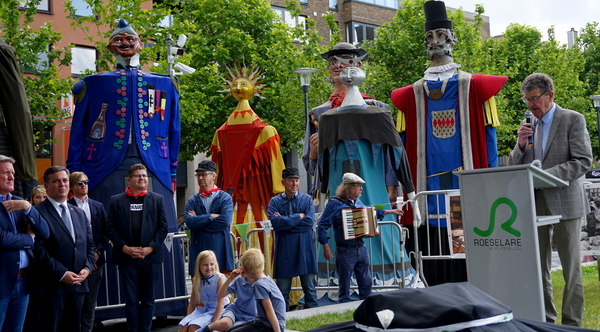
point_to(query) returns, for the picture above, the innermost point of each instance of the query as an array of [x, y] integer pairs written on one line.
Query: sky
[[563, 14]]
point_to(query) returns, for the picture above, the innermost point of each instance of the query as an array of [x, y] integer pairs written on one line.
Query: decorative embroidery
[[443, 123]]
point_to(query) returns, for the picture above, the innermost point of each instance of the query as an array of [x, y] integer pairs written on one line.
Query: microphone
[[528, 118]]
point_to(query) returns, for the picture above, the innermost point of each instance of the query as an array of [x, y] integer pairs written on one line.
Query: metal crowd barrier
[[185, 246], [437, 240], [253, 241]]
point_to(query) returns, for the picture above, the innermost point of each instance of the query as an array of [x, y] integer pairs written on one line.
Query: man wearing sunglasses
[[96, 217], [562, 145]]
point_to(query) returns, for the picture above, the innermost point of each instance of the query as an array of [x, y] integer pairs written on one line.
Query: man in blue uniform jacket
[[208, 215], [292, 214], [19, 226]]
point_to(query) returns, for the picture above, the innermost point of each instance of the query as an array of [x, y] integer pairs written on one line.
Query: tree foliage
[[399, 57], [230, 32], [45, 88], [243, 32]]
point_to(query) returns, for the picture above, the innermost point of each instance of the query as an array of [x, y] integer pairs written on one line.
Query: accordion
[[359, 222]]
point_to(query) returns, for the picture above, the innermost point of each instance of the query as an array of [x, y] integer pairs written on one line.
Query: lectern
[[501, 235]]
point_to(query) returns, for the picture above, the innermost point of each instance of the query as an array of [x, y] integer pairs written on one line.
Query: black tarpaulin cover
[[445, 307]]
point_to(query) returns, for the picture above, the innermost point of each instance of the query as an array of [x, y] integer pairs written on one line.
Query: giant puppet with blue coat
[[125, 117], [448, 122]]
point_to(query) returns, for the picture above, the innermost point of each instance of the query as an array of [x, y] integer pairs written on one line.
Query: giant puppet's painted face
[[439, 42], [242, 88], [352, 76], [125, 45]]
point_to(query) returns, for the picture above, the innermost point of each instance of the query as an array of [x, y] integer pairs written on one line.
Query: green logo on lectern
[[507, 225]]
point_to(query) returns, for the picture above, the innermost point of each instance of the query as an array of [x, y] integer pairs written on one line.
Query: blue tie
[[66, 219]]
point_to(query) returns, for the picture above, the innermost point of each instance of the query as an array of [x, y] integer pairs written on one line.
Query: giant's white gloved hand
[[415, 206]]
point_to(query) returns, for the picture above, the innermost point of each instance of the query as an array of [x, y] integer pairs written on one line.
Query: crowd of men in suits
[[52, 255]]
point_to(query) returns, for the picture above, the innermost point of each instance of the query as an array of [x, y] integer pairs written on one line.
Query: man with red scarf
[[137, 227], [208, 215]]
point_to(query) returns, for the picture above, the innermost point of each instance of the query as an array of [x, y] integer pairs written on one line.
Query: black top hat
[[435, 16], [290, 172], [207, 165], [343, 48]]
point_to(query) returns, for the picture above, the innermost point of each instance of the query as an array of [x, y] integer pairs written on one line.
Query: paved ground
[[170, 324]]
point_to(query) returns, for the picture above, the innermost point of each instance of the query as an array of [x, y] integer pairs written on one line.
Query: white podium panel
[[500, 228]]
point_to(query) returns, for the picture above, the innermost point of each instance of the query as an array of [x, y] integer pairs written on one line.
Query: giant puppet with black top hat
[[124, 117], [448, 120]]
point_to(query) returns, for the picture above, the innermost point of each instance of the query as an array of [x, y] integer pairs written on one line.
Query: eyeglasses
[[82, 182], [357, 185], [204, 174], [533, 99], [143, 176]]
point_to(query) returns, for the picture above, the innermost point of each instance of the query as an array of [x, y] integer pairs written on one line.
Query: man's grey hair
[[343, 190], [6, 159], [537, 81]]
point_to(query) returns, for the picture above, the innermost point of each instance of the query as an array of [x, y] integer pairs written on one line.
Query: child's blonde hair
[[253, 260], [202, 256]]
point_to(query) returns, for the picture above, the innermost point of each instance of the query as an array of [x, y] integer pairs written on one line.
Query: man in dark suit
[[562, 144], [66, 258], [96, 218], [19, 226], [137, 227]]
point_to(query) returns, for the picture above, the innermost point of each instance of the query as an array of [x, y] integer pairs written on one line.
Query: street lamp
[[305, 82], [596, 100]]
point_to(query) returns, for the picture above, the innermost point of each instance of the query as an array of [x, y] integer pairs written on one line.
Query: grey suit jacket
[[568, 156]]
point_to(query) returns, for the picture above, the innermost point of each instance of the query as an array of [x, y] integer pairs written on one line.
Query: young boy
[[270, 306], [243, 309]]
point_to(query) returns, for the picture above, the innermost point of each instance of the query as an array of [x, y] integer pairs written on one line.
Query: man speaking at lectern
[[562, 144]]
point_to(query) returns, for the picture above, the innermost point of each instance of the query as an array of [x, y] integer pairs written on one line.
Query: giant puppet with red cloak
[[247, 151], [448, 121]]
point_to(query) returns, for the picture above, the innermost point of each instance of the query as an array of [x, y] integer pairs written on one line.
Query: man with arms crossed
[[562, 144], [292, 214]]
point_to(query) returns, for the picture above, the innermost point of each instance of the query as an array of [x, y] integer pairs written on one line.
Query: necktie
[[66, 219], [538, 142]]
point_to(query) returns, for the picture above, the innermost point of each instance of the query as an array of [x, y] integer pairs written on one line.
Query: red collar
[[131, 194]]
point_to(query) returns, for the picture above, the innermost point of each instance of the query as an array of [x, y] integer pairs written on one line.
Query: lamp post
[[596, 100], [305, 82]]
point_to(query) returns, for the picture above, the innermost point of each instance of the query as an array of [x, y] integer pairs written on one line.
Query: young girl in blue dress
[[204, 305]]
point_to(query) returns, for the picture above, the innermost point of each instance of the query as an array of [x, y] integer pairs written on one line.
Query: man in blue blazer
[[137, 227], [96, 218], [66, 258], [19, 226]]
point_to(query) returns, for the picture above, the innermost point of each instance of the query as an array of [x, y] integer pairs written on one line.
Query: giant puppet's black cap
[[435, 16]]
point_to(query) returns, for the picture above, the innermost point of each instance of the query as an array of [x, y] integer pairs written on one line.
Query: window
[[84, 58], [357, 32], [303, 2], [383, 3], [82, 8], [166, 22], [43, 6], [333, 4], [286, 16], [40, 63]]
